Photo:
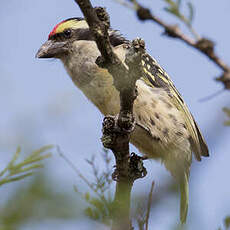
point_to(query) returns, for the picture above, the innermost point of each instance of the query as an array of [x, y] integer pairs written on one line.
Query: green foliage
[[191, 12], [100, 203], [15, 171], [99, 199], [227, 112], [174, 8], [36, 201], [226, 223]]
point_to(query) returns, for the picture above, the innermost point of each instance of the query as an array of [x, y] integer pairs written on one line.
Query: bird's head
[[65, 33], [62, 36]]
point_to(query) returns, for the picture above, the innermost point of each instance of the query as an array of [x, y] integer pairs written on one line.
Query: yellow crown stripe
[[71, 24]]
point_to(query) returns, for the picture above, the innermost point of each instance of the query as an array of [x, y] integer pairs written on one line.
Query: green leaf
[[16, 171], [36, 153], [227, 123], [172, 11], [178, 3], [5, 181], [15, 157], [26, 169], [227, 222], [87, 196], [227, 112], [11, 163], [34, 159], [168, 1], [191, 12]]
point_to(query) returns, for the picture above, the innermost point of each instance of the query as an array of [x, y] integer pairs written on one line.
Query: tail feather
[[184, 198]]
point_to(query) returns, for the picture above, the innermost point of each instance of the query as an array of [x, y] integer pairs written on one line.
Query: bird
[[165, 129]]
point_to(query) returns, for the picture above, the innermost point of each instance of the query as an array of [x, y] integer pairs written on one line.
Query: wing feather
[[155, 76]]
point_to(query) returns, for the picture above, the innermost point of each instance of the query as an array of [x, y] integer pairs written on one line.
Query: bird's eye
[[67, 33]]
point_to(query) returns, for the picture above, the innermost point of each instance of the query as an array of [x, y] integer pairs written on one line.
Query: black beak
[[52, 49]]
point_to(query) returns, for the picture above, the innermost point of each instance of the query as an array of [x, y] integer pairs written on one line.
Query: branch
[[99, 27], [203, 45], [117, 130], [116, 136]]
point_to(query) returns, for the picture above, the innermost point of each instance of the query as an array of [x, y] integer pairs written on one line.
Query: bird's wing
[[155, 76]]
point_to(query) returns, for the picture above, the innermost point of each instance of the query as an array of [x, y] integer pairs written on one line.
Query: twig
[[117, 130], [70, 163], [203, 45], [124, 3], [149, 206], [116, 136], [99, 29]]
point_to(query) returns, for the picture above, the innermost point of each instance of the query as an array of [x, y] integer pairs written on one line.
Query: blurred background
[[40, 105]]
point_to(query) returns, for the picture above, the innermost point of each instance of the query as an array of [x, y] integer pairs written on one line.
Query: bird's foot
[[136, 169]]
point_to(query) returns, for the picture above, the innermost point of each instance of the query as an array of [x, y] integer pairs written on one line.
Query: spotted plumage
[[155, 76], [165, 129]]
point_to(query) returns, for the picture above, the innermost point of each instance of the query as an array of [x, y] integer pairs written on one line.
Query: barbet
[[165, 129]]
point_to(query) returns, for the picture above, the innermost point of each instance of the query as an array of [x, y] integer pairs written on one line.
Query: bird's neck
[[96, 83]]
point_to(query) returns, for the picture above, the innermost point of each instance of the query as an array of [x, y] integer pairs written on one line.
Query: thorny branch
[[117, 130], [204, 45]]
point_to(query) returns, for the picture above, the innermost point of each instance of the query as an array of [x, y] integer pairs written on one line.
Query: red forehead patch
[[54, 29]]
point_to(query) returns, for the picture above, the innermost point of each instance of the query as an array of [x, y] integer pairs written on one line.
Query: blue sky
[[40, 105]]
